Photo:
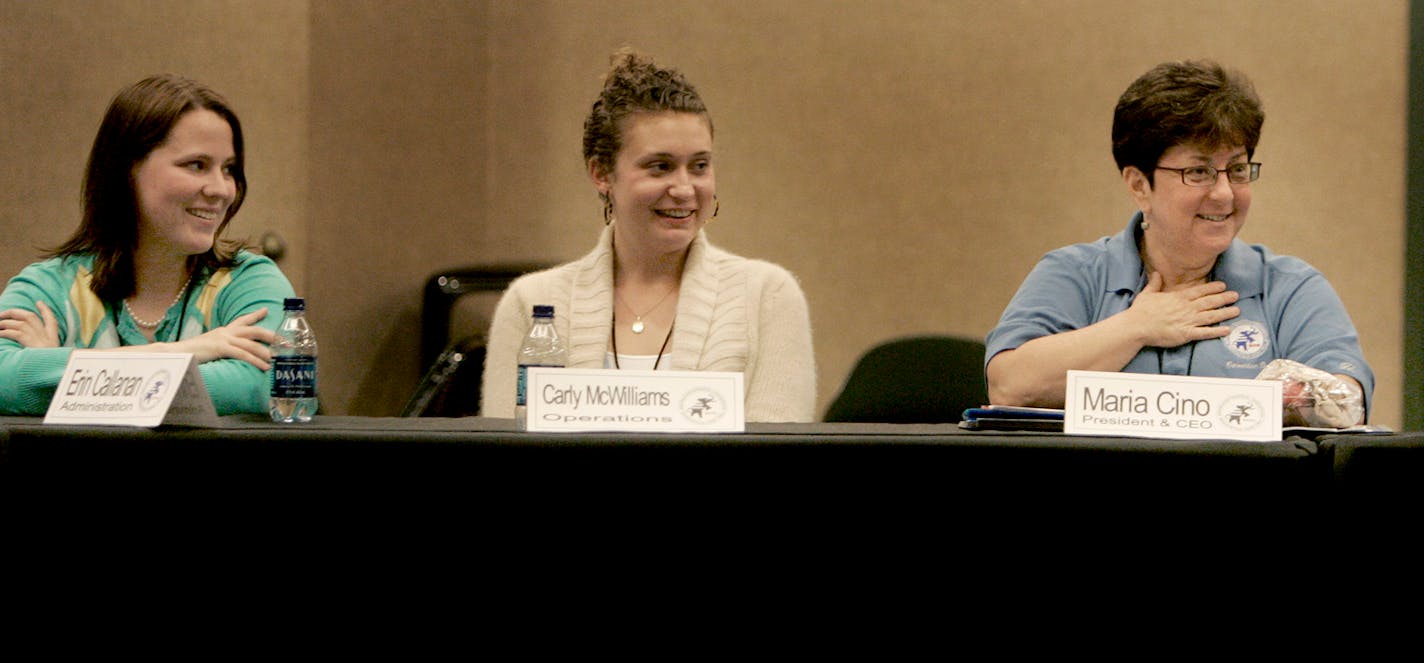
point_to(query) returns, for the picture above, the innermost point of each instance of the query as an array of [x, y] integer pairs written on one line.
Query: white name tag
[[131, 389], [1172, 406], [590, 399]]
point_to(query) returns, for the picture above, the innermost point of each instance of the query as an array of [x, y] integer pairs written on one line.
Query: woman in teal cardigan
[[147, 269]]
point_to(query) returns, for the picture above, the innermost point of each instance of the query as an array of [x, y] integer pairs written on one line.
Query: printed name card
[[573, 399], [1172, 406], [131, 389]]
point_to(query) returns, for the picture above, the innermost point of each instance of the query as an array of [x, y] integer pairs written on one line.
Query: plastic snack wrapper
[[1312, 397]]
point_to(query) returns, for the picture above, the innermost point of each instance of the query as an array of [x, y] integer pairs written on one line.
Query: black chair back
[[451, 385], [916, 379]]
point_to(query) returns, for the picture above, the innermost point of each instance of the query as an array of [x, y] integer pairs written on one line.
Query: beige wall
[[400, 126], [908, 160], [62, 61]]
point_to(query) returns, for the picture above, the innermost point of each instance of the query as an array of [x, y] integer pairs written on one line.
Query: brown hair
[[634, 84], [1194, 103], [138, 120]]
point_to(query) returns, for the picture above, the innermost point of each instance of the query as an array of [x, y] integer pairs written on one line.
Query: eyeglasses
[[1236, 173]]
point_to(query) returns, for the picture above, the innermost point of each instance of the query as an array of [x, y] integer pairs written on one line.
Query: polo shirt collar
[[1240, 267]]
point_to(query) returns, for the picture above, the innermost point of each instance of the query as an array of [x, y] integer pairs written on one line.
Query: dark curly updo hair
[[634, 84], [1184, 103]]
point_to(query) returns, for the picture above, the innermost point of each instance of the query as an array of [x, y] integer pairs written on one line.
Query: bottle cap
[[543, 311], [294, 304]]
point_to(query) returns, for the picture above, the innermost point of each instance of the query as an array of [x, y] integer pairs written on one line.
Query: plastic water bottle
[[542, 347], [293, 366]]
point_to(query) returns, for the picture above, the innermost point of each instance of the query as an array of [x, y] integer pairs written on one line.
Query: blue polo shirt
[[1288, 310]]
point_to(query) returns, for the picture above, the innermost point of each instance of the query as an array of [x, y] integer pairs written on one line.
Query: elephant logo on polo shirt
[[1247, 340]]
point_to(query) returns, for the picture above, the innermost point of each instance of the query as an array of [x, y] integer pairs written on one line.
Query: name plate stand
[[131, 389], [580, 400], [1172, 406]]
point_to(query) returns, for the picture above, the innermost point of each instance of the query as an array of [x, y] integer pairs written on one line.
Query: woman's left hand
[[28, 329], [240, 339]]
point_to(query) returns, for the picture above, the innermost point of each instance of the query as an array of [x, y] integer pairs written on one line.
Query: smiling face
[[185, 186], [662, 183], [1189, 226]]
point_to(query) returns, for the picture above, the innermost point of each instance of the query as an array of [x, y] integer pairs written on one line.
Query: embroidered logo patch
[[1247, 339]]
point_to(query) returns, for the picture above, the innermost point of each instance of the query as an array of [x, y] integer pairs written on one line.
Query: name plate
[[131, 389], [589, 399], [1172, 406]]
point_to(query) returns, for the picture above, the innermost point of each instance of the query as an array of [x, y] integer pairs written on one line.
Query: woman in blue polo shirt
[[1176, 292]]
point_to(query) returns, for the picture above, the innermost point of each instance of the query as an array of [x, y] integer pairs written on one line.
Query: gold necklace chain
[[638, 325]]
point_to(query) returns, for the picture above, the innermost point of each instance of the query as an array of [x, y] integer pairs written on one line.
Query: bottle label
[[520, 399], [294, 377]]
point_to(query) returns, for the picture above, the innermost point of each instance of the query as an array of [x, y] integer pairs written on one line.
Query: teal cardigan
[[28, 376]]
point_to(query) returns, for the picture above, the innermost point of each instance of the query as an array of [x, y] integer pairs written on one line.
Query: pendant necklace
[[659, 360], [638, 325]]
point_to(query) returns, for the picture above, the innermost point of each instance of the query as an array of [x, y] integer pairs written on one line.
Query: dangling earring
[[607, 210], [716, 209]]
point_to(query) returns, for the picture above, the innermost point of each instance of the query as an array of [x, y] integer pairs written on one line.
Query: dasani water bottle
[[293, 366]]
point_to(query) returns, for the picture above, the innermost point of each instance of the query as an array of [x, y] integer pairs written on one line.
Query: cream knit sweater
[[733, 314]]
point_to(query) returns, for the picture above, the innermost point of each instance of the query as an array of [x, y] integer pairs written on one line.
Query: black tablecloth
[[840, 462], [831, 483], [1386, 469]]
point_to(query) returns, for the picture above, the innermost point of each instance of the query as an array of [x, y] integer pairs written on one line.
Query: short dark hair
[[139, 120], [634, 84], [1192, 103]]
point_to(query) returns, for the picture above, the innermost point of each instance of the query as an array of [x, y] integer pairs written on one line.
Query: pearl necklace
[[145, 324]]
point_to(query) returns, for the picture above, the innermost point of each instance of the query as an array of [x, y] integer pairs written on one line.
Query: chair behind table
[[451, 384], [913, 379]]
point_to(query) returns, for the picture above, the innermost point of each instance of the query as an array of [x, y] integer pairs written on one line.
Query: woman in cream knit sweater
[[654, 293]]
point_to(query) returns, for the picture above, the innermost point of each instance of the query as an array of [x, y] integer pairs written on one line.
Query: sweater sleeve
[[781, 373], [235, 385], [28, 376], [506, 333]]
